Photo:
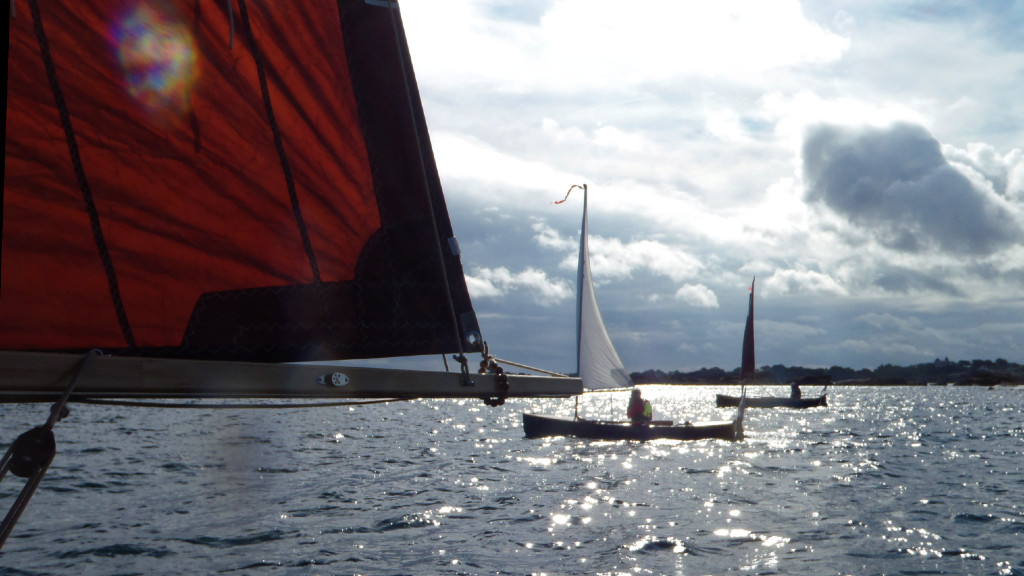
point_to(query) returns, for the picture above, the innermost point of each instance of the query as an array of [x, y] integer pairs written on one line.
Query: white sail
[[597, 362]]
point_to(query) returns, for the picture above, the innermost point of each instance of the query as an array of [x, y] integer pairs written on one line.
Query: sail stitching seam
[[83, 182]]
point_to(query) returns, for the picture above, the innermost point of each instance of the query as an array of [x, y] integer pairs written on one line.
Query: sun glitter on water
[[157, 53]]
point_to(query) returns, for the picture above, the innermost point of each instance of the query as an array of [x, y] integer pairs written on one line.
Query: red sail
[[748, 367], [226, 180]]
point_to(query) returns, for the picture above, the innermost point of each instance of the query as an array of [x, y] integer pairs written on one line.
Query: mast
[[582, 275]]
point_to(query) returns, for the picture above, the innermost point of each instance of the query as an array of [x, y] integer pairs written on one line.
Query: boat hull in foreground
[[724, 401], [537, 426]]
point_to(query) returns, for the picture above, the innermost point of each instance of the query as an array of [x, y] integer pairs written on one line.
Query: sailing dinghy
[[747, 369], [600, 368], [212, 199]]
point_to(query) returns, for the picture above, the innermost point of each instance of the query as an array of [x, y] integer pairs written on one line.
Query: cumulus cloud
[[895, 183], [613, 259], [697, 295], [548, 237], [498, 282], [785, 281], [1005, 173]]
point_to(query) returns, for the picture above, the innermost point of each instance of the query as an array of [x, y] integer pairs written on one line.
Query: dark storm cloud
[[905, 280], [896, 183]]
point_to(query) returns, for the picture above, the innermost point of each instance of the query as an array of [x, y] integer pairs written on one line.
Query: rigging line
[[83, 182], [31, 453], [524, 366], [597, 391], [141, 404], [406, 66], [279, 142]]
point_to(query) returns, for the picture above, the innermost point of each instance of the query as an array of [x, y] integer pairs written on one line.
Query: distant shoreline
[[940, 372], [870, 382]]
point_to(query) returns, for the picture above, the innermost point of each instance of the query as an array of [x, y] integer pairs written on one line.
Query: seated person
[[639, 411]]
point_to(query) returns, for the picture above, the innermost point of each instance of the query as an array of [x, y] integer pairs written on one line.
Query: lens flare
[[157, 53]]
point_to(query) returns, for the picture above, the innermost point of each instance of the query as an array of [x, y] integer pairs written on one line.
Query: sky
[[864, 160]]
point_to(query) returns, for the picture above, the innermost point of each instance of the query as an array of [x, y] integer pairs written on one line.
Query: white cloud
[[697, 295], [1003, 174], [612, 259], [499, 282], [496, 176], [793, 113], [548, 237], [578, 45], [666, 39], [799, 281], [616, 139]]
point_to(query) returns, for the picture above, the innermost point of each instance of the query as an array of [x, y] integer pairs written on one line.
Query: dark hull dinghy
[[537, 426], [725, 401]]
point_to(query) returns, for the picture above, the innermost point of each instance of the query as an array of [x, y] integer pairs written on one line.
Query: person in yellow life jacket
[[639, 411]]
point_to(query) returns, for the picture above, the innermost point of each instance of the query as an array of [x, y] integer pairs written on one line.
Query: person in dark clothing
[[794, 391]]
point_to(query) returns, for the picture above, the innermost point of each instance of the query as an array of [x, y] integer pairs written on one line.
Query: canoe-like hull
[[538, 426], [723, 401]]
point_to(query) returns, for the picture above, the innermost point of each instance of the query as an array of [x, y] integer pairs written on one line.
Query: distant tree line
[[940, 371]]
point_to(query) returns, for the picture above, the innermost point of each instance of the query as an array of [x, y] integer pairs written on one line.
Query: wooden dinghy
[[538, 426], [724, 401]]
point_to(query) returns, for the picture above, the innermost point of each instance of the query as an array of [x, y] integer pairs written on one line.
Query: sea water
[[894, 480]]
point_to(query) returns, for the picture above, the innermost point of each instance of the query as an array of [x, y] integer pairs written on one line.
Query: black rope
[[279, 142], [83, 183]]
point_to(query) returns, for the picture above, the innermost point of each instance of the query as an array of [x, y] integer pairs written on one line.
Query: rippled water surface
[[883, 481]]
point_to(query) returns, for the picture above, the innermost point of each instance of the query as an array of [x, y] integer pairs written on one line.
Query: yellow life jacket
[[648, 411]]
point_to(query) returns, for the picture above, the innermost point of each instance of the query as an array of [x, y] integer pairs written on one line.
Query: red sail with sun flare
[[227, 180]]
